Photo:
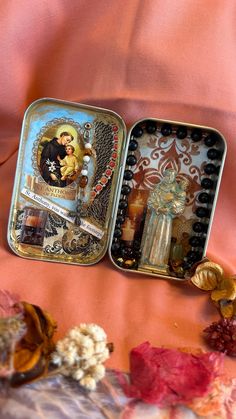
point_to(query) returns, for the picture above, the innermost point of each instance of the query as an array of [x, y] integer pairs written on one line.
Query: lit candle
[[136, 207], [128, 231]]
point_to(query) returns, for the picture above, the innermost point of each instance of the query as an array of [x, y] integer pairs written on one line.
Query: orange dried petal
[[25, 360]]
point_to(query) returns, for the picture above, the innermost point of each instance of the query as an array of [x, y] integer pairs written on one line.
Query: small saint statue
[[166, 201]]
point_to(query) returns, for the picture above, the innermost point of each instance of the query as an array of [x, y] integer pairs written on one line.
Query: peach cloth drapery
[[165, 59]]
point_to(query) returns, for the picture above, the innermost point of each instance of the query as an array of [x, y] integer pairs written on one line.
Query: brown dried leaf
[[37, 343]]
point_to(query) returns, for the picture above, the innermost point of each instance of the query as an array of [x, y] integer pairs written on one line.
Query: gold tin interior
[[54, 192], [159, 229]]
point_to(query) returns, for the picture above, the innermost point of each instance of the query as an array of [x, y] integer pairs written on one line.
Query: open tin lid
[[81, 184]]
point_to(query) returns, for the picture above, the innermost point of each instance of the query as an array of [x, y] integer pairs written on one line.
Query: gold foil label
[[42, 189]]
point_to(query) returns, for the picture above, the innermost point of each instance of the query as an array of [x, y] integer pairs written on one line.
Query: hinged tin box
[[83, 186]]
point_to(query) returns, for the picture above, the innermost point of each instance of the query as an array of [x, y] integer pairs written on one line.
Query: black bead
[[133, 145], [115, 247], [213, 154], [151, 127], [166, 130], [195, 241], [193, 256], [210, 169], [127, 252], [137, 131], [186, 265], [136, 244], [181, 132], [204, 198], [196, 135], [199, 227], [131, 160], [120, 219], [202, 212], [117, 233], [123, 204], [210, 140], [207, 183], [126, 189], [137, 254], [128, 175], [121, 212]]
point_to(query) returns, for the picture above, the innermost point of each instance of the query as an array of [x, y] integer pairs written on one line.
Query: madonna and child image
[[58, 156]]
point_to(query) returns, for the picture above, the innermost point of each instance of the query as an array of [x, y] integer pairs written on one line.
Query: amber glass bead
[[88, 152], [83, 181]]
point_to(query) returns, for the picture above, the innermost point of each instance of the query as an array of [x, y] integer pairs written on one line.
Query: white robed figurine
[[166, 201]]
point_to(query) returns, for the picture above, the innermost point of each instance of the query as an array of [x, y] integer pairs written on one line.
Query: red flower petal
[[168, 376]]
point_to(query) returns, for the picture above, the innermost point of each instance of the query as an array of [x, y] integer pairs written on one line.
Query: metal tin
[[63, 196], [143, 239], [102, 187]]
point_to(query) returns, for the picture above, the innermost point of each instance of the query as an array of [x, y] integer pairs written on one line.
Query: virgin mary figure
[[166, 201]]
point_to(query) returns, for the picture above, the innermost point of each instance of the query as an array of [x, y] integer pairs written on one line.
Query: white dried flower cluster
[[81, 354]]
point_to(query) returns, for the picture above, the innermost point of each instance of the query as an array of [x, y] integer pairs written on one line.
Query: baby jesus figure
[[69, 163]]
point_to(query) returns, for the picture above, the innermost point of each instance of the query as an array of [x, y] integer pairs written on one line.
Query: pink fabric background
[[165, 59]]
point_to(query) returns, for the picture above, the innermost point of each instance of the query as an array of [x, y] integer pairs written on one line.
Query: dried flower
[[32, 351], [12, 329], [168, 377], [221, 336], [209, 276], [81, 354]]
